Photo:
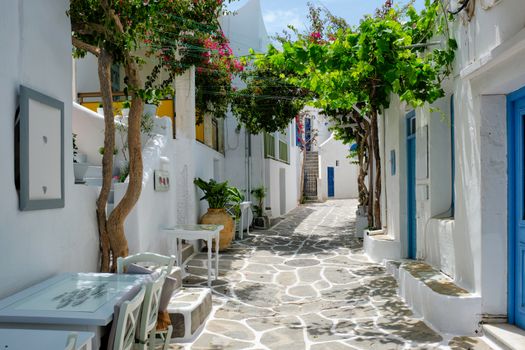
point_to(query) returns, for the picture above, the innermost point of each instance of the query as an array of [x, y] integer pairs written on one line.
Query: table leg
[[217, 256], [241, 227], [209, 261], [247, 217]]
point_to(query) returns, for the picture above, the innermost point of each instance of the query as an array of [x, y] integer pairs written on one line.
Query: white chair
[[71, 342], [127, 322], [159, 261], [150, 308]]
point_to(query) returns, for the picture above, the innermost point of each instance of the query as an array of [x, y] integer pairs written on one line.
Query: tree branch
[[79, 44]]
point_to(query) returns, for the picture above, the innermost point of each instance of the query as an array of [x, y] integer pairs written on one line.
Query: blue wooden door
[[411, 185], [331, 187], [308, 133], [517, 211]]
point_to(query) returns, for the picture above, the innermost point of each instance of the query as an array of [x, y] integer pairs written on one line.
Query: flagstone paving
[[306, 284]]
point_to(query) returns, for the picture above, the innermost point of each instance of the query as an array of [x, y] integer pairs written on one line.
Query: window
[[269, 145], [214, 134], [283, 151]]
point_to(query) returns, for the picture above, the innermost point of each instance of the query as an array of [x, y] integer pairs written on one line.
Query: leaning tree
[[127, 33]]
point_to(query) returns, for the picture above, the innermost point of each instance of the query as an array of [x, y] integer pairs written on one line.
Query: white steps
[[506, 336]]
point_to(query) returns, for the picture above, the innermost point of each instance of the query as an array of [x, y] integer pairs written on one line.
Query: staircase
[[311, 174]]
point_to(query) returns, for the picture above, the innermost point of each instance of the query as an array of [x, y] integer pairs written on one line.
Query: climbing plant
[[129, 33], [359, 68]]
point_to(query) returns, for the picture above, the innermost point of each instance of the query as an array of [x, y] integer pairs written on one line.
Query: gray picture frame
[[30, 98]]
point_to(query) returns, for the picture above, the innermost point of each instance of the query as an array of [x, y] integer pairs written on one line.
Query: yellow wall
[[165, 108], [199, 132]]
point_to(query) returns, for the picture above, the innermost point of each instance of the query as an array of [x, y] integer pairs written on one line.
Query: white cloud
[[278, 20]]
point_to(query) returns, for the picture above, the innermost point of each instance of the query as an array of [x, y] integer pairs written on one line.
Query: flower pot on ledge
[[220, 217]]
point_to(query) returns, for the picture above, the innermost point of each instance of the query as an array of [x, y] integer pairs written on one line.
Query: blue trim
[[511, 211], [410, 168]]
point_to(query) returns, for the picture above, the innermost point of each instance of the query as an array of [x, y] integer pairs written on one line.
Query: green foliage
[[259, 193], [101, 151], [218, 194], [267, 103], [126, 104], [137, 30], [385, 54]]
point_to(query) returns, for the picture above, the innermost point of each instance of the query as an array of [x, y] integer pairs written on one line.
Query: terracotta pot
[[220, 217]]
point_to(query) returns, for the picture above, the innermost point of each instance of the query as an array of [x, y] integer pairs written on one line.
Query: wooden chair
[[127, 322], [71, 342], [150, 308]]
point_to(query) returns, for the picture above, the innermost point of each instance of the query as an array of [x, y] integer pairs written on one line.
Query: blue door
[[516, 127], [331, 188], [308, 133], [411, 185]]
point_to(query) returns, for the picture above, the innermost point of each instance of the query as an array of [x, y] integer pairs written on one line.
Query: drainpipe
[[385, 189]]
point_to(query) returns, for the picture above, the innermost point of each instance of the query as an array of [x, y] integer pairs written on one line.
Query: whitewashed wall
[[36, 51], [471, 247], [334, 152]]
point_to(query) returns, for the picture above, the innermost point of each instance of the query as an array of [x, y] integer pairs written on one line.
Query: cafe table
[[195, 232], [24, 339], [68, 301]]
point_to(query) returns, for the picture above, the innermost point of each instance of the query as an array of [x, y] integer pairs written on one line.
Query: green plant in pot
[[126, 104], [80, 166], [218, 194], [260, 220]]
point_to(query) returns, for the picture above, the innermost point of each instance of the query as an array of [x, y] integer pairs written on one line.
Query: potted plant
[[100, 109], [126, 104], [80, 166], [218, 195], [260, 220]]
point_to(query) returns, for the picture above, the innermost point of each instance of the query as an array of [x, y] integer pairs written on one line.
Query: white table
[[68, 301], [244, 206], [194, 232], [24, 339]]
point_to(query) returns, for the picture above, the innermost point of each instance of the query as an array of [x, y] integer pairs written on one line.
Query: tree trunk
[[104, 75], [377, 160], [363, 167], [115, 224], [371, 198]]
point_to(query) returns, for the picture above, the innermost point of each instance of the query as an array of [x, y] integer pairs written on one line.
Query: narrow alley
[[305, 284]]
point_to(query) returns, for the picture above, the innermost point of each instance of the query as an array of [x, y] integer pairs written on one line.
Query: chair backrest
[[160, 260], [71, 341], [150, 308], [127, 322]]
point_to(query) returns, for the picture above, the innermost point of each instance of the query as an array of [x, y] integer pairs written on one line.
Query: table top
[[69, 298], [23, 339], [196, 231]]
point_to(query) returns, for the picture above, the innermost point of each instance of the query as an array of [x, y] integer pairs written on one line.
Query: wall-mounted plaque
[[41, 151], [162, 181]]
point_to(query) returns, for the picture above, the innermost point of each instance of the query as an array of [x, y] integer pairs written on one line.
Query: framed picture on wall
[[41, 147]]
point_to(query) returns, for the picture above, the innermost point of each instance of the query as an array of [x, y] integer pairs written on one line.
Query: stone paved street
[[305, 284]]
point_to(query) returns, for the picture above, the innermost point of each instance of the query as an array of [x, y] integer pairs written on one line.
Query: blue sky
[[279, 13]]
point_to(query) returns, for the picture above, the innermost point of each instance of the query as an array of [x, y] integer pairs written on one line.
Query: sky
[[279, 13]]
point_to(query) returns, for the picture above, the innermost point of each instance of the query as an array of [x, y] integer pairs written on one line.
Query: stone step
[[506, 336], [188, 309]]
